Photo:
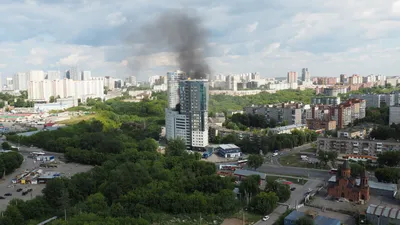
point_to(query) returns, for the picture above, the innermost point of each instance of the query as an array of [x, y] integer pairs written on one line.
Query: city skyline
[[271, 37]]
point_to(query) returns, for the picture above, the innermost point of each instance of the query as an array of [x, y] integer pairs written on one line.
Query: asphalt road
[[295, 197], [295, 171]]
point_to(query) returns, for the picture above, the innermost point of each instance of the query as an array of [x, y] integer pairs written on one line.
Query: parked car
[[293, 188], [19, 189], [7, 194], [29, 190], [265, 218], [1, 197]]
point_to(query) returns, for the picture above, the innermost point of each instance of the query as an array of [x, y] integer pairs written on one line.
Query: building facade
[[66, 88], [289, 113], [20, 81], [173, 79], [346, 186], [53, 75], [394, 114], [325, 100], [356, 146], [292, 77], [305, 75], [187, 112]]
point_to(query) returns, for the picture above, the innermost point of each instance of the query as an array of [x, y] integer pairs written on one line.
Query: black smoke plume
[[182, 33]]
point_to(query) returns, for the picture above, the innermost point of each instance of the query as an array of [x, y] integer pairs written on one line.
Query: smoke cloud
[[181, 33]]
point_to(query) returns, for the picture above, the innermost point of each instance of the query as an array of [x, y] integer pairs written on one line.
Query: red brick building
[[346, 186]]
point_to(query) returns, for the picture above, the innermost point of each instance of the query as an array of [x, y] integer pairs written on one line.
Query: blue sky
[[272, 37]]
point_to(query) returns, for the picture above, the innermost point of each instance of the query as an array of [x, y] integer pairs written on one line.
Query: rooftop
[[247, 173], [374, 185], [289, 127], [228, 146], [319, 220], [384, 211]]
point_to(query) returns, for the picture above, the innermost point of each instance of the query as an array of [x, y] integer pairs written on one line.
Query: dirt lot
[[232, 221]]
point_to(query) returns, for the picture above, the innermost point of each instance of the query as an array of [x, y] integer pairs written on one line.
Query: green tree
[[282, 190], [12, 216], [389, 158], [305, 220], [250, 186], [356, 169], [148, 144], [52, 99], [255, 161], [264, 202], [5, 145], [175, 147]]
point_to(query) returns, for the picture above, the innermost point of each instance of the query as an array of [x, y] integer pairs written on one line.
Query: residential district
[[325, 150]]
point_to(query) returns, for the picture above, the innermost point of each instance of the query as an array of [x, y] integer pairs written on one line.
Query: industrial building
[[382, 215], [229, 151], [292, 218]]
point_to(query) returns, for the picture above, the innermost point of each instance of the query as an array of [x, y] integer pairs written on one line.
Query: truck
[[304, 157], [207, 154]]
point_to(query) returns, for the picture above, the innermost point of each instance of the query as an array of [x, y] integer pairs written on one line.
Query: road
[[295, 197]]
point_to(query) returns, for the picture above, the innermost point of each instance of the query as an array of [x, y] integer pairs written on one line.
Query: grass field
[[250, 218], [311, 150], [77, 119], [295, 161]]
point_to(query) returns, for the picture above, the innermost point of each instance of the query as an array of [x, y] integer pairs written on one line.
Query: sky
[[272, 37]]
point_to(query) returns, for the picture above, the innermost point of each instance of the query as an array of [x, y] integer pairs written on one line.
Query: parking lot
[[6, 186]]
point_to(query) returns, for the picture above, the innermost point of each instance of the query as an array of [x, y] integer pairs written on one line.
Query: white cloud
[[272, 37], [116, 19], [252, 27], [271, 48]]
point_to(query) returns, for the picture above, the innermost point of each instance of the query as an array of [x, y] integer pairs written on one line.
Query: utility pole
[[200, 219], [244, 220]]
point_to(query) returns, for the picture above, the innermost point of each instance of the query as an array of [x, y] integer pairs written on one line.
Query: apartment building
[[291, 113], [356, 146], [347, 112], [394, 114], [325, 100], [376, 100], [318, 124], [187, 112], [334, 91]]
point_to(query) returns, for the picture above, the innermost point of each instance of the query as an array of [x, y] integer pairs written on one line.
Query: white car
[[265, 218]]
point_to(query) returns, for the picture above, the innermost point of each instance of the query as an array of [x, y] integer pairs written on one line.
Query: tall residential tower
[[187, 112]]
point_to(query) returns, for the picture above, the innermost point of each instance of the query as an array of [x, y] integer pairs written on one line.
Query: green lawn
[[249, 216], [311, 150], [299, 180], [295, 160]]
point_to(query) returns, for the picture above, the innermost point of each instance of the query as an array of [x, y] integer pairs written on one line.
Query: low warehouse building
[[292, 218], [383, 215], [229, 151]]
